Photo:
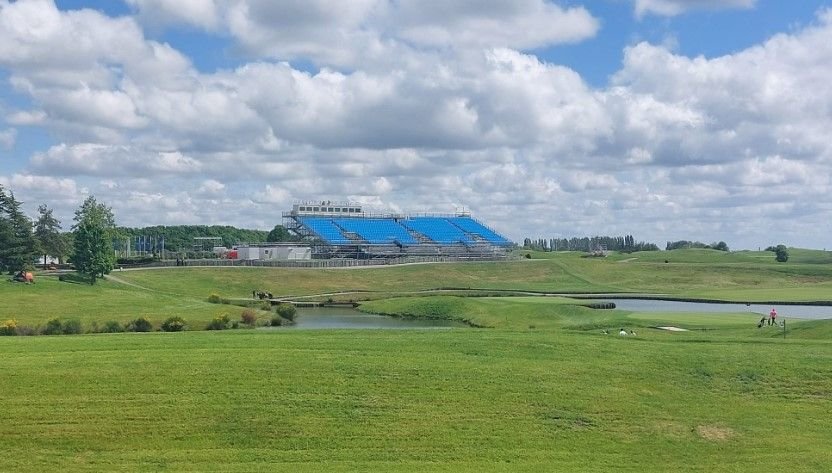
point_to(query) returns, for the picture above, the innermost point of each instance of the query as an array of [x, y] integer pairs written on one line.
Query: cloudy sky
[[666, 119]]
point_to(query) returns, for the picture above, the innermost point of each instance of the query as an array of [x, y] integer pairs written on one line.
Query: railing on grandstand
[[400, 216]]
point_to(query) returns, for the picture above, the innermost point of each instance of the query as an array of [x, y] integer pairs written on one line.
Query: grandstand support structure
[[344, 230]]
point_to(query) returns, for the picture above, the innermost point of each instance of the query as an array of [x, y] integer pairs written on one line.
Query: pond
[[340, 318], [785, 310]]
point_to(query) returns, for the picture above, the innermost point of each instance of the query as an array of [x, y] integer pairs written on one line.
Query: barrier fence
[[322, 263]]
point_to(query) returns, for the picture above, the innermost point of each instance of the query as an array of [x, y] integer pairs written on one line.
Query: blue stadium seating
[[378, 231], [325, 229], [437, 229], [387, 231], [472, 226]]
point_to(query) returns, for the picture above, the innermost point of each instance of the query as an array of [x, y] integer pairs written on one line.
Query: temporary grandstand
[[345, 230]]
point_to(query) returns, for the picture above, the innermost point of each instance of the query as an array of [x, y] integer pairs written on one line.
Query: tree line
[[20, 240], [677, 245], [624, 244], [180, 238], [89, 245]]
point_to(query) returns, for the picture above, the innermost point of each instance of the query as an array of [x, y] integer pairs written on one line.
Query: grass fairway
[[709, 274], [35, 304], [539, 388], [455, 400]]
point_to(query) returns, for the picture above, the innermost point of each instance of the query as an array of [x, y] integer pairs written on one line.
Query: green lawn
[[538, 388], [454, 400], [548, 313], [694, 273], [35, 304]]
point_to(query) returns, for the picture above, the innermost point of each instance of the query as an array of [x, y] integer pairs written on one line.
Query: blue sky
[[661, 118], [710, 33]]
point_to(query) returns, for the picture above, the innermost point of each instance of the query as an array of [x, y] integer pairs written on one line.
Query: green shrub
[[277, 321], [112, 326], [62, 327], [139, 325], [71, 327], [214, 298], [287, 311], [781, 253], [173, 324], [248, 317], [53, 327], [8, 328], [220, 322]]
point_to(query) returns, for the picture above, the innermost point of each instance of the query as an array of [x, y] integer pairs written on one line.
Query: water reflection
[[785, 310]]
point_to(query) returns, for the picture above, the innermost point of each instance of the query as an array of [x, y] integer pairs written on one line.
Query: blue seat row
[[385, 231], [325, 229], [472, 226], [437, 229], [377, 231]]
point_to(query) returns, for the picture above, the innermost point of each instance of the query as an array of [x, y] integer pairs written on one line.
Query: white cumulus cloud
[[423, 119]]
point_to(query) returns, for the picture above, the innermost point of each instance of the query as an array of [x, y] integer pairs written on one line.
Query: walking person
[[772, 317]]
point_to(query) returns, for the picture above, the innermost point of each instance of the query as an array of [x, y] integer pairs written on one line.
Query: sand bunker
[[673, 329], [715, 433]]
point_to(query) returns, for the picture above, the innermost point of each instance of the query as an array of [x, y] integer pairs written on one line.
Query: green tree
[[94, 228], [279, 233], [48, 233], [721, 246], [17, 244], [6, 233], [781, 253], [6, 237]]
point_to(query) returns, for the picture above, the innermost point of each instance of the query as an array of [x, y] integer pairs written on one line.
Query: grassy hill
[[183, 291], [695, 273]]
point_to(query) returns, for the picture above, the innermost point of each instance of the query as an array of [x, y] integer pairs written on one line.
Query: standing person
[[772, 316]]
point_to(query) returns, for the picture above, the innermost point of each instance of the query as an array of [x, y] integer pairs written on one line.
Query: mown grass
[[695, 273], [34, 304], [159, 294], [540, 389], [457, 400], [549, 313]]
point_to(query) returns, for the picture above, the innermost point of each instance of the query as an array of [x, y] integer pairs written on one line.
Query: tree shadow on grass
[[74, 278]]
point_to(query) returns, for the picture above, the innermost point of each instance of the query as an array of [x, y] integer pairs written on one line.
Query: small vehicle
[[24, 276]]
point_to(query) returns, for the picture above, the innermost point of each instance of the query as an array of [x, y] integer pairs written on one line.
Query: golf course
[[532, 378]]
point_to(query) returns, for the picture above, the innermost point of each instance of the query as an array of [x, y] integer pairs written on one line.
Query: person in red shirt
[[772, 317]]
